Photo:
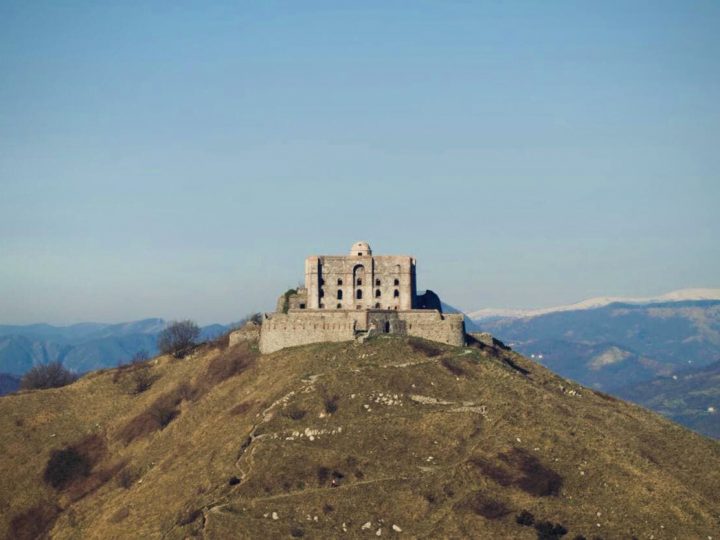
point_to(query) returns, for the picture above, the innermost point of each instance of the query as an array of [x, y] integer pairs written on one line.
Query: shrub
[[52, 375], [478, 503], [331, 404], [295, 413], [73, 463], [178, 338], [453, 366], [286, 299], [424, 347], [34, 522], [525, 518], [160, 413], [546, 530], [64, 467], [228, 364]]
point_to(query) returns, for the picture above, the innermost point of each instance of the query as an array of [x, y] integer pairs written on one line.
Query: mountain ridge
[[680, 295]]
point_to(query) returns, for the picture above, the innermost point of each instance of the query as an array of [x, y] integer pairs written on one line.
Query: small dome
[[360, 249]]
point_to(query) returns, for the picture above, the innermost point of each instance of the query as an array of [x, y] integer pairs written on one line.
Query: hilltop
[[394, 437]]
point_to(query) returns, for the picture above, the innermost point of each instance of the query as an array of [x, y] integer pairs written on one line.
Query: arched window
[[396, 294], [377, 293], [339, 282], [377, 282], [358, 294], [339, 294], [397, 282]]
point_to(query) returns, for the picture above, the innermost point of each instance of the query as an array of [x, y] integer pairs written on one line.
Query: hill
[[619, 344], [80, 347], [8, 384], [689, 397], [394, 437]]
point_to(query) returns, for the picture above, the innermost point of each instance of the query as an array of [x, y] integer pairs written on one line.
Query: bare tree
[[178, 338], [52, 375]]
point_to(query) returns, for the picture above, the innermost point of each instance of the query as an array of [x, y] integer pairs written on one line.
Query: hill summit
[[393, 437]]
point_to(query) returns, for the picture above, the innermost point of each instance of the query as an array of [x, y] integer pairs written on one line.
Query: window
[[387, 327], [359, 254], [397, 282], [358, 294], [359, 282], [377, 306], [339, 294], [377, 293], [339, 282], [396, 294], [339, 306], [302, 306], [377, 282]]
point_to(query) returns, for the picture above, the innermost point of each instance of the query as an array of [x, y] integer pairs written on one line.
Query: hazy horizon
[[181, 161]]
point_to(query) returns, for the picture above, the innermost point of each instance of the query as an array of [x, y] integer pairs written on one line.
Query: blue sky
[[180, 159]]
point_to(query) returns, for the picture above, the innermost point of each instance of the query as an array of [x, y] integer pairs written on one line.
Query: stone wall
[[281, 330], [301, 327]]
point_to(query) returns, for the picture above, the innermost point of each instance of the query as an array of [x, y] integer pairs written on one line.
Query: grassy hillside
[[394, 437]]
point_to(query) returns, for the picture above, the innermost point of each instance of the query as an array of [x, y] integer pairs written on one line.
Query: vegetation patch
[[241, 408], [525, 518], [158, 416], [34, 522], [520, 469], [228, 364], [51, 375], [331, 403], [536, 479], [423, 347], [453, 366], [480, 504], [73, 463], [547, 530]]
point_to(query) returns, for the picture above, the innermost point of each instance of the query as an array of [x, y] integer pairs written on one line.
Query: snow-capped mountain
[[592, 303]]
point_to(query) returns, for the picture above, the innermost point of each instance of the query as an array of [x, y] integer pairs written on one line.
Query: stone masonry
[[353, 296]]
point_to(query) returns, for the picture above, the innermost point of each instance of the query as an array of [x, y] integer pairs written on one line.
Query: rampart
[[302, 327]]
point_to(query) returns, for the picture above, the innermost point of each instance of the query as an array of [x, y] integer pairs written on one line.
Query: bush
[[73, 463], [525, 518], [178, 338], [158, 416], [34, 522], [424, 347], [66, 466], [549, 531], [52, 375]]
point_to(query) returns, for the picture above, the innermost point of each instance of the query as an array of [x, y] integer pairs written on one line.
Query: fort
[[356, 296]]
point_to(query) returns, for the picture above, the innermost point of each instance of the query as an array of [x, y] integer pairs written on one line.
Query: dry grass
[[525, 453]]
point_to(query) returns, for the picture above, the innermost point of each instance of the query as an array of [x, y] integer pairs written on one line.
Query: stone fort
[[356, 296]]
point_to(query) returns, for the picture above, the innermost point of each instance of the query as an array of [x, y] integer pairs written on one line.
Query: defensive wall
[[302, 327]]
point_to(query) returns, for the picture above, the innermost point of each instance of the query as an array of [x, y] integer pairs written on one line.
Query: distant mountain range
[[690, 397], [80, 347], [624, 347], [593, 303]]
